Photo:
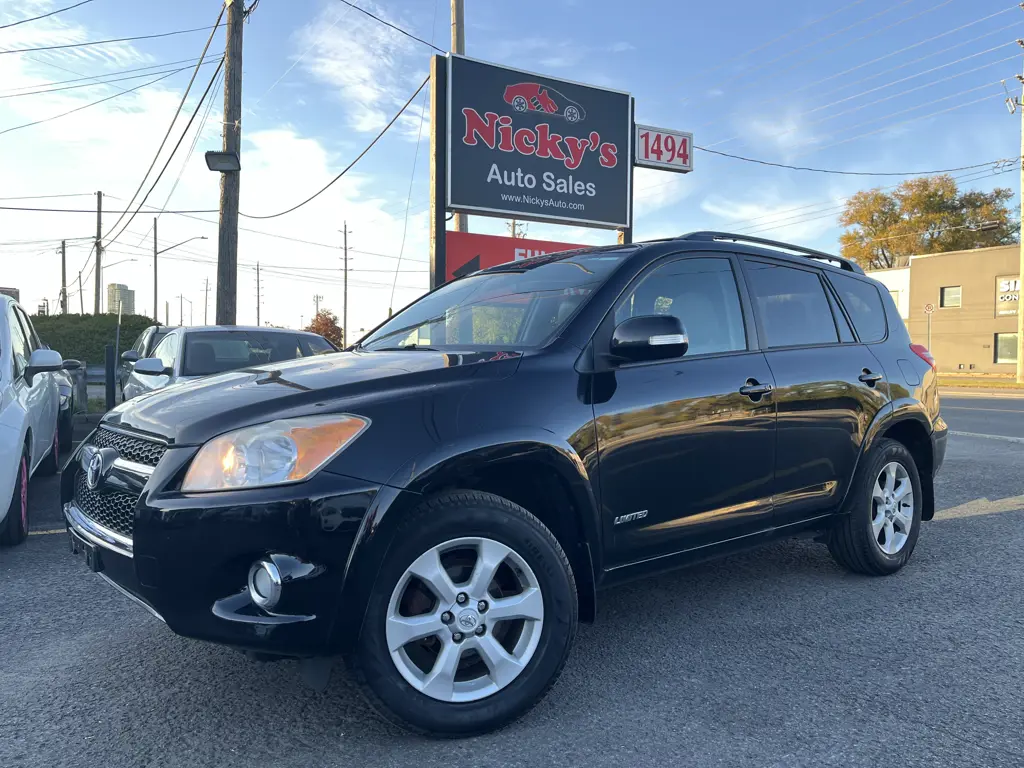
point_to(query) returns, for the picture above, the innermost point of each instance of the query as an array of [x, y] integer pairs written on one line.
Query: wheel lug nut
[[481, 606], [446, 617], [457, 637], [462, 598], [481, 629]]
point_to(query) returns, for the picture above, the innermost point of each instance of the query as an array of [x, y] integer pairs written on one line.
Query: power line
[[170, 156], [846, 173], [190, 61], [399, 29], [47, 197], [99, 82], [349, 166], [174, 118], [86, 106], [45, 15], [105, 42]]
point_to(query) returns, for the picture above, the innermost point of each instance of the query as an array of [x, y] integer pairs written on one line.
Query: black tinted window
[[315, 345], [219, 351], [864, 306], [702, 294], [792, 305]]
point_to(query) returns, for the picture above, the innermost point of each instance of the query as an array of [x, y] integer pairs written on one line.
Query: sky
[[853, 85]]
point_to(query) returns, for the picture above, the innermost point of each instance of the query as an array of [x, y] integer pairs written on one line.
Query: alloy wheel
[[892, 508], [465, 619]]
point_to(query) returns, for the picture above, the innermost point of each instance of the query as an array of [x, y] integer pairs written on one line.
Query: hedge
[[83, 337]]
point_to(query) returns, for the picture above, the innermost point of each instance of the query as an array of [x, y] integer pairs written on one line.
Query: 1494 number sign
[[665, 149]]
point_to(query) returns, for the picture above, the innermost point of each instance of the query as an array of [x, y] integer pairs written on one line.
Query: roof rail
[[828, 258]]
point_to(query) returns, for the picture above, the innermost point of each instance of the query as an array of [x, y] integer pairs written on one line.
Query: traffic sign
[[929, 308]]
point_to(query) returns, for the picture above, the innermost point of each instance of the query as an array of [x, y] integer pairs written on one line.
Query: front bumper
[[188, 558]]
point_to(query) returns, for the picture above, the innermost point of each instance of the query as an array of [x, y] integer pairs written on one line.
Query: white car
[[29, 405]]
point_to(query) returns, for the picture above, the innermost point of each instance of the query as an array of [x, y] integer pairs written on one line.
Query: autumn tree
[[325, 323], [924, 215]]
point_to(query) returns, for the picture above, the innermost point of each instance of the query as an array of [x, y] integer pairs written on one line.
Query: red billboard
[[466, 253]]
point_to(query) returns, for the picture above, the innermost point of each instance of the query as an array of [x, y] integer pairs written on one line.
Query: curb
[[1001, 394]]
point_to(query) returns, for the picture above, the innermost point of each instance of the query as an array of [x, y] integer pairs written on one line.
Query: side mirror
[[649, 337], [71, 365], [129, 355], [42, 361], [152, 366]]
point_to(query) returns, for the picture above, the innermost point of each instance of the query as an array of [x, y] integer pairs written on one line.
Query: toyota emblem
[[94, 471]]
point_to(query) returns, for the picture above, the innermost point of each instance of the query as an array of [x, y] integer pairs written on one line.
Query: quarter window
[[1005, 347], [792, 305], [863, 304], [702, 294], [949, 296], [167, 350]]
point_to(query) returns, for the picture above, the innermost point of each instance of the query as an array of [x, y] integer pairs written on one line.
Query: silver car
[[188, 353]]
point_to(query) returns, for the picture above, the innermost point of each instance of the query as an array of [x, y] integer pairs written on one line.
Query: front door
[[828, 387], [686, 457]]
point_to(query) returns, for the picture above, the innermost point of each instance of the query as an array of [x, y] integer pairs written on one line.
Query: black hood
[[194, 411]]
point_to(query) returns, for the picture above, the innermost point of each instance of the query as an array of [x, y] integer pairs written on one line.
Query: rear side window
[[864, 306], [315, 345], [792, 305]]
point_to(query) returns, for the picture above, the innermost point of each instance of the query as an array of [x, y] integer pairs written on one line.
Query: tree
[[924, 215], [325, 323]]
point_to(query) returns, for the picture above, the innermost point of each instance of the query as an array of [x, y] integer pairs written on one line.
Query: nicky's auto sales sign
[[525, 146]]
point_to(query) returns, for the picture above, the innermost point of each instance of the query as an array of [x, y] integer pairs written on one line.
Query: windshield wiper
[[416, 347]]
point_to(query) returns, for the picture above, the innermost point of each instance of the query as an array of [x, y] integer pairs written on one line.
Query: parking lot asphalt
[[991, 416], [772, 658]]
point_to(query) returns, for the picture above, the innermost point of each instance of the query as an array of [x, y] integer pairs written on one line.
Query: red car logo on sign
[[533, 97]]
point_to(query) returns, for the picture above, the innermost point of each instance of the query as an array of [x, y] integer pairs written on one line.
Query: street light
[[156, 303], [172, 247], [181, 308], [223, 161]]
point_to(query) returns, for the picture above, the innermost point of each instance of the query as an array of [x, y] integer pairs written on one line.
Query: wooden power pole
[[257, 295], [156, 306], [99, 252], [63, 277], [344, 299], [460, 221], [227, 246]]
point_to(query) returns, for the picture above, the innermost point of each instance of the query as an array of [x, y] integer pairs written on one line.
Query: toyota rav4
[[442, 502]]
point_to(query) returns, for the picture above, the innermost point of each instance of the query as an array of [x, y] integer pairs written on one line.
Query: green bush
[[83, 337]]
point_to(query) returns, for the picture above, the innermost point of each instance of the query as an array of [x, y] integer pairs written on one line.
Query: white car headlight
[[279, 452]]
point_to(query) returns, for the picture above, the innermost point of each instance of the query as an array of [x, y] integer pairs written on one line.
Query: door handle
[[870, 378], [755, 390]]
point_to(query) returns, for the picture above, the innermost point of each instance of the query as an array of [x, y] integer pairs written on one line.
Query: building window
[[949, 296], [1005, 347]]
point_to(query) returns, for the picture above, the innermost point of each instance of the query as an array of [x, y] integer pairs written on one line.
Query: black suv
[[441, 502]]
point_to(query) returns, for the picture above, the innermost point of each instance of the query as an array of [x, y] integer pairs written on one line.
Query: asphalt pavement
[[772, 658]]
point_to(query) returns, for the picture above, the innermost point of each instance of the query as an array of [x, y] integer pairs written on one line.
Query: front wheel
[[14, 529], [882, 518], [470, 620]]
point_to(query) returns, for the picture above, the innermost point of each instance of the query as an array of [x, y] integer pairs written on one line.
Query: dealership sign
[[467, 253], [522, 145]]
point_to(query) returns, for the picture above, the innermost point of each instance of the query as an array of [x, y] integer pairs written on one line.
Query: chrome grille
[[114, 510], [130, 448]]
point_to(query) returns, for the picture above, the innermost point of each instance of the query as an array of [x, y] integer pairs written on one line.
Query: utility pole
[[156, 311], [344, 301], [257, 294], [167, 313], [63, 277], [460, 221], [230, 182], [206, 302], [81, 300], [99, 252], [317, 298], [181, 310]]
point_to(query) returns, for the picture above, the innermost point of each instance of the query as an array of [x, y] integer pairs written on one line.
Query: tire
[[572, 114], [458, 523], [867, 539], [66, 430], [15, 526], [50, 465]]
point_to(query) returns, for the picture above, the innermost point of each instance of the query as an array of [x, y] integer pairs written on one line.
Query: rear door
[[686, 455], [828, 386]]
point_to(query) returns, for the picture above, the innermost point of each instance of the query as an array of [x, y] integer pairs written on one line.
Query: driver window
[[20, 351], [702, 293]]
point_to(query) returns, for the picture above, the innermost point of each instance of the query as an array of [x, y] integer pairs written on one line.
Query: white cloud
[[776, 215], [621, 47]]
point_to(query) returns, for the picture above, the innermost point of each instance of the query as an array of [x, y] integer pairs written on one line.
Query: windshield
[[521, 304], [218, 351]]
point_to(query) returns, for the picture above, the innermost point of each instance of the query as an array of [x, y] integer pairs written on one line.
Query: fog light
[[264, 584]]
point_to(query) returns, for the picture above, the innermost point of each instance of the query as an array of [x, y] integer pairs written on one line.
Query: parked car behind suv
[[143, 347], [441, 502], [29, 405], [187, 353]]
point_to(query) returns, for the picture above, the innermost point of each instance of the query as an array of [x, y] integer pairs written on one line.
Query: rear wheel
[[471, 618], [15, 527], [883, 514]]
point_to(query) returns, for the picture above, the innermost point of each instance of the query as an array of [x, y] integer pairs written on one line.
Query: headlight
[[285, 451]]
